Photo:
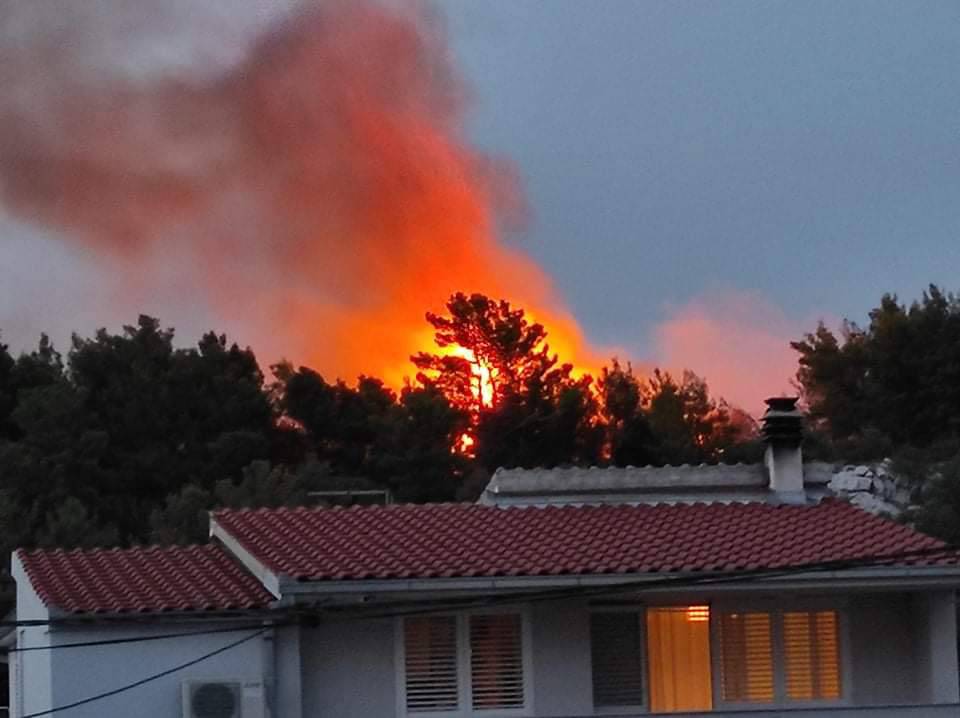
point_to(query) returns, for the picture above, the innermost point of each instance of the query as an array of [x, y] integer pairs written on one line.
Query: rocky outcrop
[[873, 488]]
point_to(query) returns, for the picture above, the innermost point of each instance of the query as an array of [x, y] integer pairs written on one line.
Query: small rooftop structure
[[645, 484], [782, 478]]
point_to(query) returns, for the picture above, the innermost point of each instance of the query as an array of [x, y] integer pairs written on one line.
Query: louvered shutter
[[616, 646], [811, 655], [746, 657], [496, 661], [430, 649]]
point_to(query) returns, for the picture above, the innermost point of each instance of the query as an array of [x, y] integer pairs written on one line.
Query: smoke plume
[[304, 169]]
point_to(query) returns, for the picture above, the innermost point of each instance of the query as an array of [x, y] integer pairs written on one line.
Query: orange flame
[[319, 192]]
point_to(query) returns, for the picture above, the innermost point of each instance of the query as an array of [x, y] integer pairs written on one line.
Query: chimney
[[783, 433]]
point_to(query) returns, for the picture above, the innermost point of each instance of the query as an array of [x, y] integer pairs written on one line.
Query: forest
[[128, 438]]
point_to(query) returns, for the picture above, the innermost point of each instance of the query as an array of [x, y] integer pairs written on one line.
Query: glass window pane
[[678, 650], [746, 657], [811, 655], [616, 648]]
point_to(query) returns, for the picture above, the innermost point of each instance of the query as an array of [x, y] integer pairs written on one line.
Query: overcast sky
[[741, 167]]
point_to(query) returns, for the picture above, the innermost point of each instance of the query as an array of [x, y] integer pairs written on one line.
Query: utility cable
[[135, 639], [144, 681], [399, 609]]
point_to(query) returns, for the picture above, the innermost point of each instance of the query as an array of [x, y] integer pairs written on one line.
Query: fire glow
[[318, 193]]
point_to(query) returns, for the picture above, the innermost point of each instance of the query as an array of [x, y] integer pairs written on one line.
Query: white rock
[[874, 504], [889, 489], [863, 471], [848, 482]]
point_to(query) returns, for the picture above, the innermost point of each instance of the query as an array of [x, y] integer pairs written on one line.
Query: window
[[811, 654], [756, 666], [746, 657], [496, 661], [458, 664], [678, 646], [686, 658], [616, 646], [431, 663]]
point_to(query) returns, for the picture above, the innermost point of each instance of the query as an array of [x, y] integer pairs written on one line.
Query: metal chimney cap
[[782, 403]]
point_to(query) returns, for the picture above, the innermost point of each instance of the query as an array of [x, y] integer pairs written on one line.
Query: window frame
[[640, 610], [776, 609], [465, 707]]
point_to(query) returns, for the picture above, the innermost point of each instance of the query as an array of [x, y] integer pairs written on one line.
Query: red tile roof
[[464, 540], [152, 579]]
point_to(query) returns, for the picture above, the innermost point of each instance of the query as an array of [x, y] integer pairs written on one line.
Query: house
[[745, 591]]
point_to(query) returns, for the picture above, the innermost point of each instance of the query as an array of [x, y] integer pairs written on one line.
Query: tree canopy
[[892, 389], [898, 377], [128, 438]]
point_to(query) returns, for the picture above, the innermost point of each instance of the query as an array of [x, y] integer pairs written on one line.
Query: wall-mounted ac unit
[[223, 699]]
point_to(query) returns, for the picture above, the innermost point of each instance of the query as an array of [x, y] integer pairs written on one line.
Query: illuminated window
[[678, 651], [811, 655], [746, 657], [807, 662], [686, 658]]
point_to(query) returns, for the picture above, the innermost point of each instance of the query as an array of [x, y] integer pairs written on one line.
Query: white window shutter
[[430, 649], [496, 661], [616, 647], [746, 657]]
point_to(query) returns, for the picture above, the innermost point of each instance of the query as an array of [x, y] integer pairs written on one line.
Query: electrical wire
[[639, 585], [619, 587], [135, 639], [384, 610], [144, 681]]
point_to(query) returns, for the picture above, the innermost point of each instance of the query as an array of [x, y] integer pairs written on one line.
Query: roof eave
[[270, 580], [900, 578]]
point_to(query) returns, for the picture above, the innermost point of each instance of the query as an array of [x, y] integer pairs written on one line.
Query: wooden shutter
[[811, 650], [496, 661], [746, 657], [616, 650], [430, 649]]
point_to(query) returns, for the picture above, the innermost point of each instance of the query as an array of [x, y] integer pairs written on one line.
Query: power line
[[505, 599], [385, 610], [134, 639], [144, 681], [636, 585]]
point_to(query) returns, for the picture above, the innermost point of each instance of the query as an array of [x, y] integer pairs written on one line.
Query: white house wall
[[287, 679], [883, 645], [348, 669], [936, 646], [81, 673], [30, 679], [562, 679], [899, 646]]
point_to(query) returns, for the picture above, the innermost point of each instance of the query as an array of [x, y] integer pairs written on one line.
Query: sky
[[703, 181]]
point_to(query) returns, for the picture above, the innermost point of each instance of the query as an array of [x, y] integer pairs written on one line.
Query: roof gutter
[[867, 578]]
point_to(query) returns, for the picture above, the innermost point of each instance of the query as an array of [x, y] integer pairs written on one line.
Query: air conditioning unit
[[223, 699]]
